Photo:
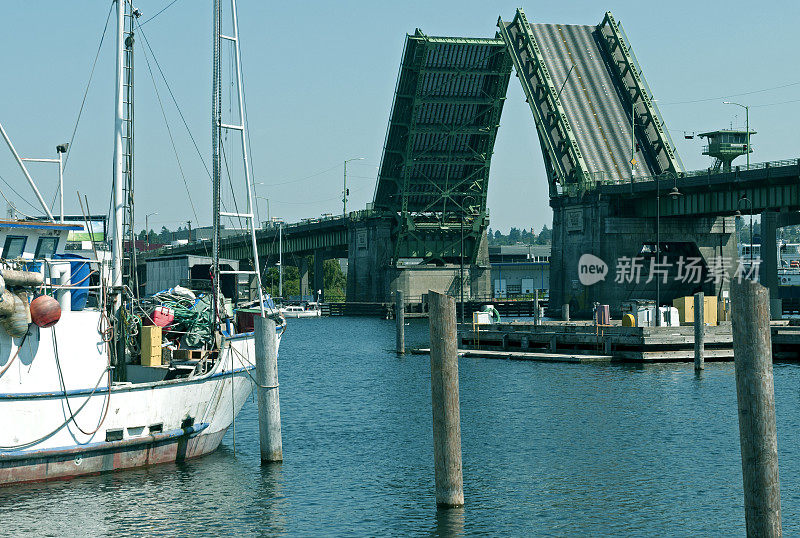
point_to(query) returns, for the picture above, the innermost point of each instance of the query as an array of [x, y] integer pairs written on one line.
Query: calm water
[[548, 449]]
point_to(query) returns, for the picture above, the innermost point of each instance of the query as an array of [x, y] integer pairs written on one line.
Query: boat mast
[[118, 201], [118, 198], [216, 126]]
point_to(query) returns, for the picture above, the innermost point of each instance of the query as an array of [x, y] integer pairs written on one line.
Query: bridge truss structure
[[434, 173], [594, 112]]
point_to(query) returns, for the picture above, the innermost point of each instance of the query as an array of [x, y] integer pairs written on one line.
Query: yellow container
[[151, 345], [628, 320], [685, 306]]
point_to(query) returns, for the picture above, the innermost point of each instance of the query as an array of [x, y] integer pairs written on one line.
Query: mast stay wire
[[171, 139], [175, 101], [86, 91]]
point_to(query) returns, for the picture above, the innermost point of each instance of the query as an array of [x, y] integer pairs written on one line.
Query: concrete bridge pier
[[304, 276], [623, 250], [319, 275], [373, 275], [768, 272]]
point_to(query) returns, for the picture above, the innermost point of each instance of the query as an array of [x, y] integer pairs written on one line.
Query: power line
[[704, 100]]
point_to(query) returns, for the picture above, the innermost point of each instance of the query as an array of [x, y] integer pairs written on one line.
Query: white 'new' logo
[[591, 269]]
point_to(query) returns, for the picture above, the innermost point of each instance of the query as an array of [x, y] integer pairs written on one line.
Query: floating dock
[[555, 341]]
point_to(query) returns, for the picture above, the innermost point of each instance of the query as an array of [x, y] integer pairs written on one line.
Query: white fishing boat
[[306, 310], [75, 396]]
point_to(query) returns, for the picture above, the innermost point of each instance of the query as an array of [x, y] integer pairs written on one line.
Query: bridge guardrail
[[602, 177]]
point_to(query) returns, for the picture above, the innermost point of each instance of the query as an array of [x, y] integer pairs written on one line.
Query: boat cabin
[[33, 239]]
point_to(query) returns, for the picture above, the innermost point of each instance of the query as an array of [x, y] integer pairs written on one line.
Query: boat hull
[[107, 457]]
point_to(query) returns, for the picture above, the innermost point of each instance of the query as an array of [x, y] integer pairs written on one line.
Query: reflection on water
[[449, 522], [557, 449]]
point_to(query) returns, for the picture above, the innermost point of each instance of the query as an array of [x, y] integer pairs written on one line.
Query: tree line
[[525, 236]]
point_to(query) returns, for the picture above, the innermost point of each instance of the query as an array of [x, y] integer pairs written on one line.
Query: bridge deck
[[599, 118]]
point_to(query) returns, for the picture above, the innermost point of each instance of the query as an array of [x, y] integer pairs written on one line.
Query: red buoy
[[45, 311]]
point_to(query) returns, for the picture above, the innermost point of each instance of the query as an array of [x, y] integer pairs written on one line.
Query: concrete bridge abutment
[[373, 275], [696, 254]]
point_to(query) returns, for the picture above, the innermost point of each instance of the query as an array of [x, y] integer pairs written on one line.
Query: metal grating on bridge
[[587, 94], [439, 143]]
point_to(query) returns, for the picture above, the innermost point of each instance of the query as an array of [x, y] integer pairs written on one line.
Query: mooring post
[[536, 320], [269, 405], [755, 392], [400, 322], [699, 331], [444, 400], [565, 312]]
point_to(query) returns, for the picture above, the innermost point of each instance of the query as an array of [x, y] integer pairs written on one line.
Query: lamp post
[[747, 127], [739, 214], [269, 220], [674, 193], [344, 185], [147, 228], [633, 138]]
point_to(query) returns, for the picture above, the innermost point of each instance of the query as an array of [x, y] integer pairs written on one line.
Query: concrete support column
[[319, 274], [769, 261], [304, 276]]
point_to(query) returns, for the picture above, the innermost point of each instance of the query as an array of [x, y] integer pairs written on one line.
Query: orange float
[[45, 311]]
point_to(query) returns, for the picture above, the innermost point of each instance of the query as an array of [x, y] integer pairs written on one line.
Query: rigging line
[[160, 12], [14, 207], [733, 94], [247, 131], [171, 139], [230, 182], [175, 101], [86, 91]]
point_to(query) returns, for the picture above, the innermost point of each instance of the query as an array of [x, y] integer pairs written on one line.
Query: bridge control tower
[[725, 145]]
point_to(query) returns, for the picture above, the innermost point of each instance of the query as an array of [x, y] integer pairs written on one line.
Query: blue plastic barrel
[[79, 271]]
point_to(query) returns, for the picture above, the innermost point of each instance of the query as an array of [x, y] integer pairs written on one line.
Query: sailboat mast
[[216, 126], [118, 198]]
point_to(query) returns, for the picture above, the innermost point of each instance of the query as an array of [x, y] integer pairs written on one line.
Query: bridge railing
[[605, 178]]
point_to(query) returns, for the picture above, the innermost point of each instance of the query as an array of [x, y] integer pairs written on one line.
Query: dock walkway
[[557, 341]]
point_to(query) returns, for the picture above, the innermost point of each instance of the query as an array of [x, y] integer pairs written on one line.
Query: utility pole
[[189, 224]]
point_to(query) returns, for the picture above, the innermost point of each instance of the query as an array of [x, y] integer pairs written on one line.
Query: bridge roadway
[[308, 237], [770, 186]]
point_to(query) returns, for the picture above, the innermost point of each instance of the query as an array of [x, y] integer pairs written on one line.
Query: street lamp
[[147, 229], [269, 220], [747, 126], [674, 194], [345, 192], [739, 214]]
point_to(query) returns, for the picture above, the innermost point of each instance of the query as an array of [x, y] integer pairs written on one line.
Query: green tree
[[545, 236]]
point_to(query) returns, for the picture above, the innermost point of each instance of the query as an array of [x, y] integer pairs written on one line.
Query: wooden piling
[[755, 392], [565, 312], [536, 318], [400, 322], [444, 400], [269, 406], [699, 331]]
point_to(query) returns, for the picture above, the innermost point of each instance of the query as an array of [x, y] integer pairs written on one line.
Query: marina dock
[[556, 341]]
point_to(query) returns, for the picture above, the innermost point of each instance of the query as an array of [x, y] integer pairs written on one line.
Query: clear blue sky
[[319, 78]]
